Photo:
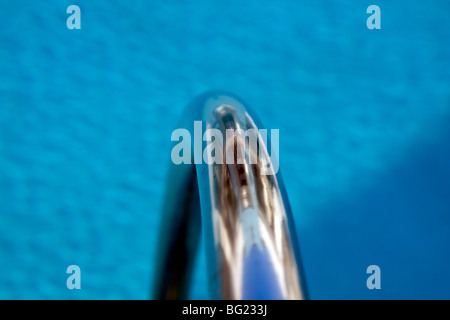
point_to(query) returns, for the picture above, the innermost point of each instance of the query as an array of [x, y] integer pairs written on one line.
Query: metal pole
[[242, 208]]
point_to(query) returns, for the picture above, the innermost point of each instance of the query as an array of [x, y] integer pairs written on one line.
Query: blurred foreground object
[[244, 215]]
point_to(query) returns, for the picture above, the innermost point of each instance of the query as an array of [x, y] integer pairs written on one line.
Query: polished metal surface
[[245, 215]]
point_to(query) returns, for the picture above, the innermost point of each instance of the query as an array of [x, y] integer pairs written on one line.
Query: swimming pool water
[[86, 117]]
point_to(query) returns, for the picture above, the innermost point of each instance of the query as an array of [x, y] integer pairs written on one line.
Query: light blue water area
[[86, 117]]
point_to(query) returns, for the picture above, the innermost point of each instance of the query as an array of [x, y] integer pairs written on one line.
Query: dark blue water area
[[86, 118], [399, 223]]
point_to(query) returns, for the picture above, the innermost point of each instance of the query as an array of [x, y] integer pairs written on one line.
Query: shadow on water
[[401, 223]]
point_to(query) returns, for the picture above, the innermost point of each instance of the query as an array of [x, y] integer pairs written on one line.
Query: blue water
[[86, 117]]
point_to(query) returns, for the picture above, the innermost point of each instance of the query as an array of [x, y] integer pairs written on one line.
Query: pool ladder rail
[[242, 212]]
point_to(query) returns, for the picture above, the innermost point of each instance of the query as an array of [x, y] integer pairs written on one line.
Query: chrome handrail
[[247, 224]]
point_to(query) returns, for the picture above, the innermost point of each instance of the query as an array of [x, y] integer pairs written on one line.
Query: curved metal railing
[[245, 215]]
